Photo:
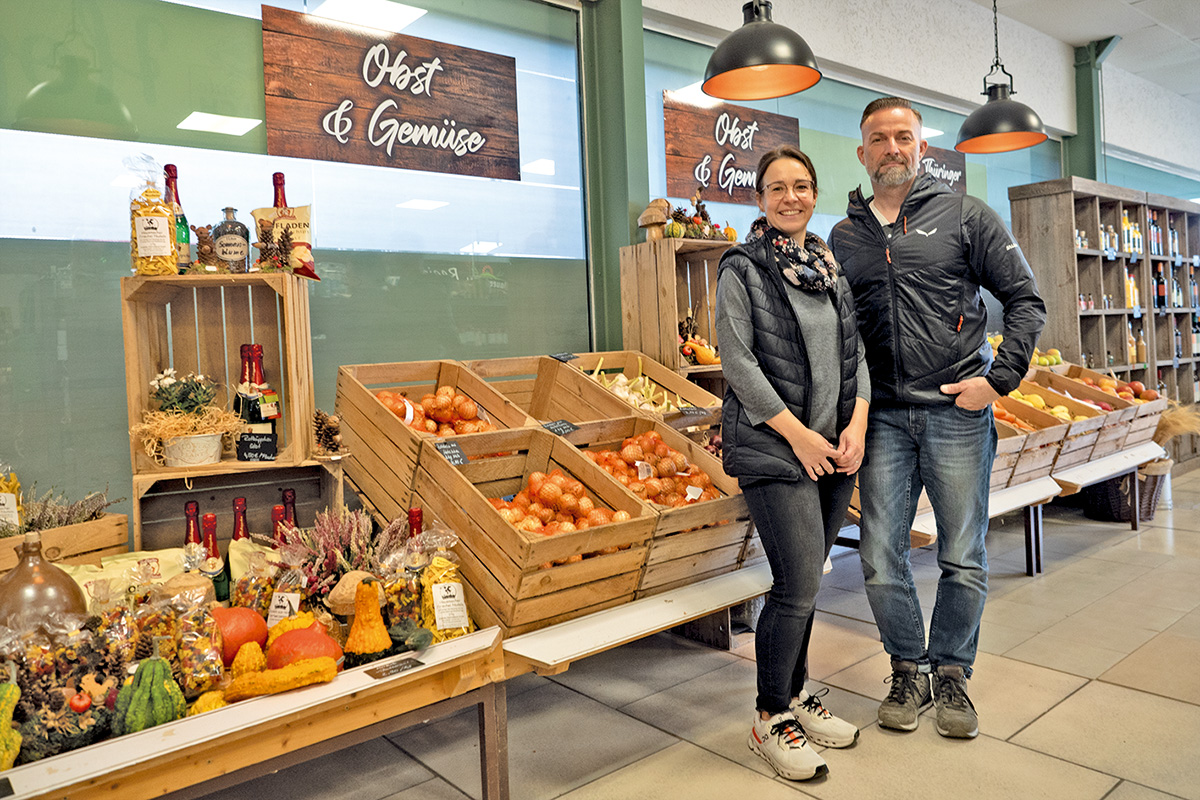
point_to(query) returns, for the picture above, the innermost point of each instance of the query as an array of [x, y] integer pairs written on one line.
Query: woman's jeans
[[949, 451], [797, 522]]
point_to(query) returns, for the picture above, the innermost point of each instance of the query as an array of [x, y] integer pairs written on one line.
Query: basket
[[1110, 500]]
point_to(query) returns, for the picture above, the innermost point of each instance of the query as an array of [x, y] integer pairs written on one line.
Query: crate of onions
[[388, 410], [545, 535], [703, 521]]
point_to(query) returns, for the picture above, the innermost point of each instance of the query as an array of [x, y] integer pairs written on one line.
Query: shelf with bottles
[[198, 323]]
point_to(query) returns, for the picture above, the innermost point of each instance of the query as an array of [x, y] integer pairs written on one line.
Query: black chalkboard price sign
[[560, 426], [452, 452], [257, 446], [564, 357]]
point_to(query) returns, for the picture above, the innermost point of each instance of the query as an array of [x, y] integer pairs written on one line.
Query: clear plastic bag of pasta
[[254, 589], [443, 594], [152, 246], [200, 644]]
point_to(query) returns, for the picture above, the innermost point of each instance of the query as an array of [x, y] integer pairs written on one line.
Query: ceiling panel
[[1181, 16], [1151, 49]]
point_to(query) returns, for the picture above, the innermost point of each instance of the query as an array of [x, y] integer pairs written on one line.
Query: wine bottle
[[1160, 288], [191, 532], [214, 567], [183, 234], [240, 530], [248, 402], [289, 506], [231, 239], [1131, 343], [277, 520], [1141, 347], [280, 199], [415, 521]]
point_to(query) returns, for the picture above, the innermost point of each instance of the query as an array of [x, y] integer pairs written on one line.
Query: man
[[916, 255]]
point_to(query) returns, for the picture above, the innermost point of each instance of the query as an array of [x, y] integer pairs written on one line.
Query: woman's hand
[[816, 455], [852, 442]]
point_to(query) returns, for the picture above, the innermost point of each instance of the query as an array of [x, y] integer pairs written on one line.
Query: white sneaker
[[780, 741], [821, 727]]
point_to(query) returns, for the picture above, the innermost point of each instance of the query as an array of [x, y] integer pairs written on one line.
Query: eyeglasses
[[777, 191]]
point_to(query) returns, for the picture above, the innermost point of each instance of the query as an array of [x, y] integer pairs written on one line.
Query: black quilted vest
[[757, 452]]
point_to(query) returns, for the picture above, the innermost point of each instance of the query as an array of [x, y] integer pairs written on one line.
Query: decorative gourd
[[239, 625], [151, 697], [271, 681], [301, 643], [10, 738], [304, 619], [249, 659], [209, 701], [674, 230], [368, 639]]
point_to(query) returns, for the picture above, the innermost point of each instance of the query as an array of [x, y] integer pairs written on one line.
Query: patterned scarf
[[811, 267]]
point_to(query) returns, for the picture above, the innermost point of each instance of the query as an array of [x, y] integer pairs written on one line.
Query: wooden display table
[[209, 752]]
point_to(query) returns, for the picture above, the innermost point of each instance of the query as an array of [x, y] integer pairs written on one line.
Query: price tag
[[694, 492], [8, 509], [394, 668], [560, 426], [1196, 261], [450, 606], [694, 411], [1175, 362], [268, 404], [6, 788], [1133, 258], [564, 357], [1137, 312], [452, 452], [1110, 254], [283, 605], [257, 446], [644, 470], [1179, 259]]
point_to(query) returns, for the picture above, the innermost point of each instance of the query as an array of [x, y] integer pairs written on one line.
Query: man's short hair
[[888, 102]]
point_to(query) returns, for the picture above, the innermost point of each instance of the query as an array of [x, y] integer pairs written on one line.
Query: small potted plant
[[188, 427]]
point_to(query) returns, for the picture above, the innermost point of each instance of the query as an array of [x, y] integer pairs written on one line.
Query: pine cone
[[679, 215], [283, 248], [92, 624], [328, 430], [144, 648], [55, 700]]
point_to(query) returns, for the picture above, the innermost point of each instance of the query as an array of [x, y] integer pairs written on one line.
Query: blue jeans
[[797, 522], [949, 451]]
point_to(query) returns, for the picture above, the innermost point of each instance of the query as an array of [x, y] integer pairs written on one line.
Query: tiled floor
[[1087, 684]]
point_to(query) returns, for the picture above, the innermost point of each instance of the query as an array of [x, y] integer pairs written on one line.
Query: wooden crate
[[1145, 420], [548, 390], [383, 449], [1115, 427], [1036, 459], [82, 543], [503, 565], [692, 542], [660, 281], [633, 363], [198, 323], [1081, 435], [1009, 443]]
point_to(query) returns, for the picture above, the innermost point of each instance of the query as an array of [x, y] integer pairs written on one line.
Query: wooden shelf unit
[[197, 323], [1044, 219]]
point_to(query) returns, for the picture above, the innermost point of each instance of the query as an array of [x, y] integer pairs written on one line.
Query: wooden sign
[[718, 148], [336, 92], [948, 166]]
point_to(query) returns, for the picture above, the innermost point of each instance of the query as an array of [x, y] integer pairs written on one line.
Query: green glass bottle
[[183, 234]]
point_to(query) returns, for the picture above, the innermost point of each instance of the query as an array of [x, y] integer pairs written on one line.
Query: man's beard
[[895, 174]]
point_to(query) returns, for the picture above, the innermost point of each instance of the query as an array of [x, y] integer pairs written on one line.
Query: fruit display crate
[[1036, 458], [1083, 428], [661, 280], [81, 543], [705, 408], [1009, 443], [512, 578], [548, 390], [1145, 420], [691, 542], [198, 323], [384, 450], [1116, 422]]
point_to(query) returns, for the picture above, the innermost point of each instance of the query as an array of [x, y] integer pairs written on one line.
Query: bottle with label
[[1162, 385], [1141, 347], [1194, 290], [1160, 288], [1176, 293], [214, 566], [249, 403], [1126, 232], [277, 521], [231, 240], [289, 506], [240, 530], [183, 234], [191, 531], [1178, 343], [1091, 303], [1130, 343], [1129, 303]]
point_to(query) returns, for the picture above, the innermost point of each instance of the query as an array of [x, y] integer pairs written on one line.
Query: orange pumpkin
[[301, 643], [239, 625]]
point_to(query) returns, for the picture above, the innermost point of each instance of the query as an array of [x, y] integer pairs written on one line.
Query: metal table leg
[[1135, 498], [1033, 539]]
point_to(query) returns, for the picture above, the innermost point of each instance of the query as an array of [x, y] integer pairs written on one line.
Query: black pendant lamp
[[760, 60], [999, 125]]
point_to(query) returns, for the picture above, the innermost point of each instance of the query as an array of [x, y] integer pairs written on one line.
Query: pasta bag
[[152, 246], [443, 596]]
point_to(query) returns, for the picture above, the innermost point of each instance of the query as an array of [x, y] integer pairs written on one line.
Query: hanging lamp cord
[[996, 33]]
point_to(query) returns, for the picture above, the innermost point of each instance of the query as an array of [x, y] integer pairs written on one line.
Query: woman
[[793, 425]]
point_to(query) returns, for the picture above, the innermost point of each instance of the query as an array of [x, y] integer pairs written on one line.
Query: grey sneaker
[[956, 717], [908, 697]]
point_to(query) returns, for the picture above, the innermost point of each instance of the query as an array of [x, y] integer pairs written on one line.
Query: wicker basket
[[1110, 500]]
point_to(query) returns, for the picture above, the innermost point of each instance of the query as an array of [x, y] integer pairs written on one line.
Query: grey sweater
[[819, 328]]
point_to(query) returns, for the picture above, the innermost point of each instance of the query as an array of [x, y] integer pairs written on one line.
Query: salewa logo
[[923, 233], [1010, 246]]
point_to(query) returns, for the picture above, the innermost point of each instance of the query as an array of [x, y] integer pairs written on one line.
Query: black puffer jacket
[[920, 312], [755, 452]]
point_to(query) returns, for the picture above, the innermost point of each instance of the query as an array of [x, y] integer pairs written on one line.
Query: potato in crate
[[703, 520], [545, 535], [381, 411]]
